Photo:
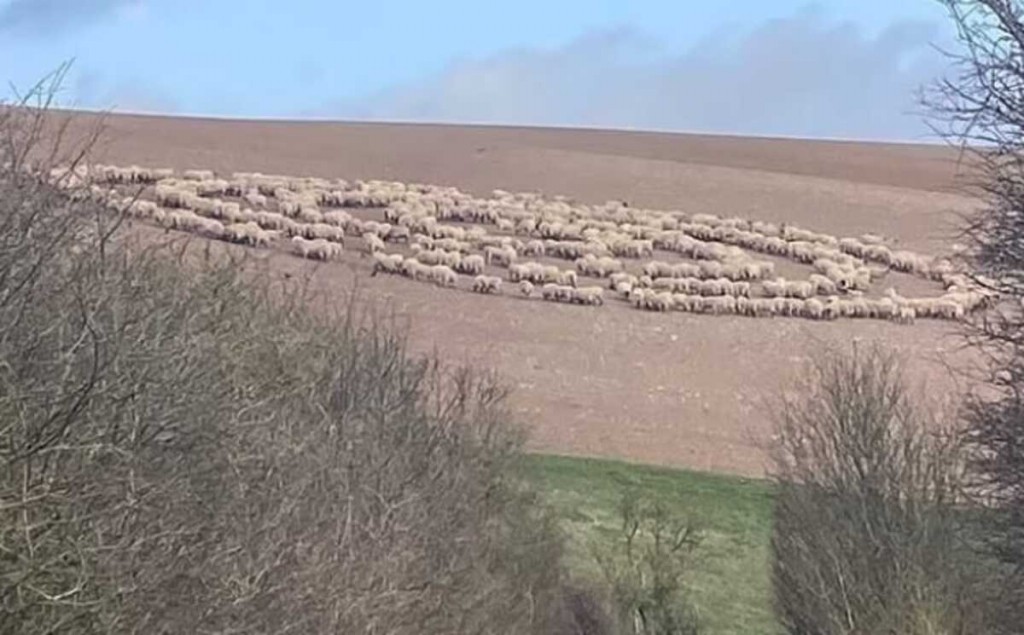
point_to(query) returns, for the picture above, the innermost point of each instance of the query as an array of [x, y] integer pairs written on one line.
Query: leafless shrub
[[647, 571], [184, 449], [866, 536]]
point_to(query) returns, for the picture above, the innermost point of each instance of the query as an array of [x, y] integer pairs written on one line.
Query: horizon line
[[485, 124]]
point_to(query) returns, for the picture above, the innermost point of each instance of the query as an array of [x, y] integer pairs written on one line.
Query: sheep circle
[[571, 252]]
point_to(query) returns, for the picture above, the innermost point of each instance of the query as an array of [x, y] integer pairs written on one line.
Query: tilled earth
[[676, 389]]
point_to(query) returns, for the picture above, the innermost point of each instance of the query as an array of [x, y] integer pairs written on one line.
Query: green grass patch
[[730, 582]]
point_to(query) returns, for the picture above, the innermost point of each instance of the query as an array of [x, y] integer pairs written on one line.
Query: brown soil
[[675, 389]]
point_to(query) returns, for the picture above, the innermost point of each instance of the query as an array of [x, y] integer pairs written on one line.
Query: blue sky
[[842, 68]]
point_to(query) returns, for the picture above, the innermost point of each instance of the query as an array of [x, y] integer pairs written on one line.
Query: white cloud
[[798, 76]]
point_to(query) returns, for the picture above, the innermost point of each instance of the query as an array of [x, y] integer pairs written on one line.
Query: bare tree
[[866, 537], [979, 107]]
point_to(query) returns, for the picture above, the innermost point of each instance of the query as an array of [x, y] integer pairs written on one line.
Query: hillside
[[678, 389]]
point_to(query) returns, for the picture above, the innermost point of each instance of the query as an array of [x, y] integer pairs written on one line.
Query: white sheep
[[813, 309], [832, 309], [161, 174], [623, 288], [883, 308], [273, 220], [939, 268], [719, 305], [566, 278], [711, 269], [657, 268], [737, 289], [171, 196], [204, 206], [398, 233], [687, 302], [872, 239], [415, 269], [716, 286], [632, 248], [143, 209], [501, 256], [659, 301], [450, 244], [620, 278], [309, 214], [443, 276], [227, 210], [214, 187], [247, 233], [323, 230], [318, 249], [288, 208], [909, 262], [517, 272], [793, 307], [534, 248], [762, 307], [782, 288], [198, 175], [856, 307], [652, 300], [823, 285], [255, 199], [905, 314], [554, 292], [209, 228], [440, 257], [338, 218], [588, 295], [486, 284], [387, 263], [598, 266], [537, 273], [765, 229], [670, 284], [472, 264], [448, 231], [373, 243], [526, 288]]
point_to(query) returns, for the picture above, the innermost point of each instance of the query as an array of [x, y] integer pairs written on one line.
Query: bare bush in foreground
[[980, 108], [866, 535], [186, 449]]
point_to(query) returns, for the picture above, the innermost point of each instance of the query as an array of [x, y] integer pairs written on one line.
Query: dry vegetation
[[183, 449], [868, 529]]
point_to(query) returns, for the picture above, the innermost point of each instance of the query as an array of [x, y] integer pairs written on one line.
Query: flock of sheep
[[440, 235]]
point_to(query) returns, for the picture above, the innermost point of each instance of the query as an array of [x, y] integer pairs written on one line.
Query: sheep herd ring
[[548, 247]]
